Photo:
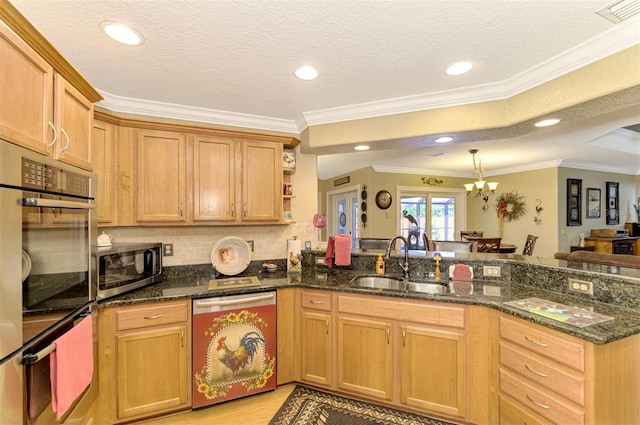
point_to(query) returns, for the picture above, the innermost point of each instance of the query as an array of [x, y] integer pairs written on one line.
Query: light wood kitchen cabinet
[[261, 181], [316, 338], [26, 94], [411, 353], [561, 379], [288, 352], [73, 114], [214, 177], [41, 110], [365, 356], [104, 147], [438, 385], [161, 175], [145, 360]]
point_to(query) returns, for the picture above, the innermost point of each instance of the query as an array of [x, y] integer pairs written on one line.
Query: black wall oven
[[47, 266]]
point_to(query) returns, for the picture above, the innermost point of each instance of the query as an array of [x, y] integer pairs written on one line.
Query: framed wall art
[[574, 202], [613, 200], [593, 202]]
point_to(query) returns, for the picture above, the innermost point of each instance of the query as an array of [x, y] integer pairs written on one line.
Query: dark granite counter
[[489, 293]]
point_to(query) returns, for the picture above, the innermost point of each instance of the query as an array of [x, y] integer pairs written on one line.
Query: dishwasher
[[234, 347]]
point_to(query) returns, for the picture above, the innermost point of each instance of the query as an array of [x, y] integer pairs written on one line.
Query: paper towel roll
[[294, 259]]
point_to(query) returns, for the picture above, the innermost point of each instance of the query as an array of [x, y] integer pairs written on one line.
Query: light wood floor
[[255, 410]]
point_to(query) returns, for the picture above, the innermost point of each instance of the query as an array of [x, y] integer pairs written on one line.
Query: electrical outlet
[[251, 245], [491, 271], [581, 286], [167, 250]]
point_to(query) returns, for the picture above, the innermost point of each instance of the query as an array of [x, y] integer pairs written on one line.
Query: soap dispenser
[[379, 265]]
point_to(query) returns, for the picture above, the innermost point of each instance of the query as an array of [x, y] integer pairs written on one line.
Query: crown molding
[[615, 40], [128, 105], [601, 168]]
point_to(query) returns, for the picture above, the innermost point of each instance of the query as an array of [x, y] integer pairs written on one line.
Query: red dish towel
[[328, 256], [71, 366], [343, 250]]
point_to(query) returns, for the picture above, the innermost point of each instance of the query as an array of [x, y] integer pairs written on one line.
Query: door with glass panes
[[436, 214]]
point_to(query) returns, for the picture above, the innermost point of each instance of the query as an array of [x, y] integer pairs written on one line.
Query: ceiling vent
[[619, 10]]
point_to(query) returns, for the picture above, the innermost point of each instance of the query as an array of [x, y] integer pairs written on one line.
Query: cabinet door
[[365, 357], [103, 146], [214, 184], [152, 373], [26, 94], [261, 181], [161, 176], [433, 369], [74, 121], [316, 348]]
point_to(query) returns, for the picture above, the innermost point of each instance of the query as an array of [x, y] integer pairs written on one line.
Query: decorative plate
[[231, 255], [26, 265]]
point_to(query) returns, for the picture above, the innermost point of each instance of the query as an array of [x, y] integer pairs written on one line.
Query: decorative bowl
[[270, 267]]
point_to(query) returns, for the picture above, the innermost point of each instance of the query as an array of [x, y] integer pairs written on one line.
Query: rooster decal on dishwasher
[[237, 359]]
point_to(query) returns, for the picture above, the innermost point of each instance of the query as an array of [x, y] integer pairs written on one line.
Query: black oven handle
[[54, 203]]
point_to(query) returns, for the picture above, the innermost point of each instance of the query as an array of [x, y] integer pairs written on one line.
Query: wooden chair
[[529, 244], [427, 245], [474, 233], [489, 244]]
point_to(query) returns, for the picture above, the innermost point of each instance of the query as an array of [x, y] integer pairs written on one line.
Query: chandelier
[[477, 188]]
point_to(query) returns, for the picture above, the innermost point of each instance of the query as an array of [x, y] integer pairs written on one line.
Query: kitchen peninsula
[[478, 330]]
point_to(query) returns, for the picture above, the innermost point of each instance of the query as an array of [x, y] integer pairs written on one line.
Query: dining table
[[505, 248]]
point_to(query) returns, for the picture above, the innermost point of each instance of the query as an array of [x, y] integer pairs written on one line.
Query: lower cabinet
[[365, 356], [551, 377], [145, 360], [433, 368], [409, 353], [316, 338]]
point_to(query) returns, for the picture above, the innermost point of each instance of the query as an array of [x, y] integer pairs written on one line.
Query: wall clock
[[383, 199]]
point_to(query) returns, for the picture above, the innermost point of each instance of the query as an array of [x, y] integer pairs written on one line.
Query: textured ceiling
[[236, 58]]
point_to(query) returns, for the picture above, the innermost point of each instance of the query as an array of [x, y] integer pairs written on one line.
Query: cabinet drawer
[[545, 342], [543, 372], [511, 413], [151, 315], [549, 406], [416, 312], [316, 300]]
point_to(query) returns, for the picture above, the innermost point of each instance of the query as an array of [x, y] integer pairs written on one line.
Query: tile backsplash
[[192, 245]]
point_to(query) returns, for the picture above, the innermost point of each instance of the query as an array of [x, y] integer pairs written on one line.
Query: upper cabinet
[[74, 123], [26, 94], [46, 105], [161, 193], [168, 174]]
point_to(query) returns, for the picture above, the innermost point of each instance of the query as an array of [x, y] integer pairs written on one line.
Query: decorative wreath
[[510, 206]]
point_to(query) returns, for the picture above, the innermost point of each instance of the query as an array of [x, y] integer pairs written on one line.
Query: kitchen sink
[[427, 288], [377, 282]]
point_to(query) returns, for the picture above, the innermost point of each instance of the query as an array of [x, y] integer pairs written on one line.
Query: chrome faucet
[[405, 265]]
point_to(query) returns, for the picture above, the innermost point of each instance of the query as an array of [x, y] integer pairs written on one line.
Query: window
[[438, 214]]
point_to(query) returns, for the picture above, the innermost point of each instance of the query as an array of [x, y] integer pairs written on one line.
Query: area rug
[[306, 406]]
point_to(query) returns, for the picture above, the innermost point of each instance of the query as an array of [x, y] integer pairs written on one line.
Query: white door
[[343, 214]]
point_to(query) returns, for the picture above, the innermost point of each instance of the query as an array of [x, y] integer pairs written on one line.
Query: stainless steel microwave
[[123, 267]]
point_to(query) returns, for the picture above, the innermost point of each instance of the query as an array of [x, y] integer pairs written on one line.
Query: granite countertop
[[491, 294]]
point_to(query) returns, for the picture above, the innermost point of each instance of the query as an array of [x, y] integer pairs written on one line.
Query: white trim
[[615, 40]]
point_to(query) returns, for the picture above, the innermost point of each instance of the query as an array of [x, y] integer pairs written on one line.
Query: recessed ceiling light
[[443, 139], [122, 33], [547, 123], [460, 68], [306, 72], [362, 148]]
